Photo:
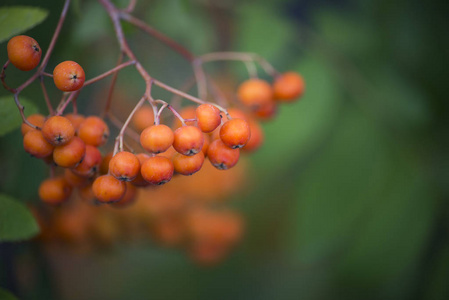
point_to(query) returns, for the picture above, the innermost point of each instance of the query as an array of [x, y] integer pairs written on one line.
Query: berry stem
[[111, 89], [62, 107], [177, 115], [122, 131], [119, 124], [47, 99], [21, 109], [111, 71]]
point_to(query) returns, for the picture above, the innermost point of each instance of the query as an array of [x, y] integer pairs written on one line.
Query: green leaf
[[9, 114], [17, 19], [16, 221], [5, 295]]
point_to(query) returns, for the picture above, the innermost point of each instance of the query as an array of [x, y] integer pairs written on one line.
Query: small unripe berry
[[35, 144], [255, 93], [187, 165], [235, 133], [157, 170], [70, 154], [221, 156], [188, 140], [90, 164], [58, 130], [108, 189], [24, 52], [143, 118], [208, 117], [54, 190], [35, 119], [93, 131], [288, 87], [68, 76], [124, 166], [157, 138]]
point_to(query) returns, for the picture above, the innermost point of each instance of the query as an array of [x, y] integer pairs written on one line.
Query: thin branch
[[111, 71], [47, 100]]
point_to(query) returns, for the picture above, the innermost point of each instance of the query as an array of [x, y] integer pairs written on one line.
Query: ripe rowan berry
[[187, 165], [35, 119], [104, 165], [124, 166], [288, 87], [90, 164], [157, 170], [255, 93], [267, 111], [188, 140], [139, 180], [68, 76], [93, 131], [208, 117], [70, 154], [143, 118], [235, 133], [24, 52], [128, 198], [58, 130], [157, 138], [76, 120], [75, 180], [35, 144], [54, 190], [257, 137], [221, 156], [108, 189]]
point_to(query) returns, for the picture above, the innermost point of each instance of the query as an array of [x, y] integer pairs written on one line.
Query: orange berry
[[187, 165], [157, 138], [68, 76], [143, 118], [236, 113], [93, 131], [128, 198], [235, 133], [75, 180], [188, 140], [54, 190], [288, 87], [124, 166], [90, 164], [157, 170], [70, 154], [35, 119], [108, 189], [24, 52], [58, 130], [188, 112], [221, 156], [255, 93], [139, 180], [76, 120], [35, 144], [257, 137], [104, 165], [206, 144], [208, 117], [267, 111]]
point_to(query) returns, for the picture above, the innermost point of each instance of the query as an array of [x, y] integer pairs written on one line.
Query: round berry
[[267, 111], [221, 156], [54, 190], [139, 180], [108, 189], [128, 198], [208, 117], [68, 76], [288, 87], [255, 93], [157, 138], [143, 118], [104, 165], [124, 166], [76, 120], [58, 130], [157, 170], [257, 137], [24, 52], [35, 144], [35, 119], [188, 140], [235, 133], [93, 131], [70, 154], [90, 164], [75, 180], [187, 165]]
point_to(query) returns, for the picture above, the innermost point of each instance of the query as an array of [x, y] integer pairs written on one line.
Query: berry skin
[[36, 119], [257, 137], [188, 140], [208, 117], [187, 165], [139, 180], [206, 144], [58, 130], [54, 190], [288, 87], [128, 198], [143, 118], [221, 156], [35, 144], [24, 52], [157, 138], [75, 180], [68, 76], [124, 166], [267, 112], [108, 189], [93, 131], [157, 170], [70, 154], [90, 164], [235, 133], [76, 120], [255, 93]]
